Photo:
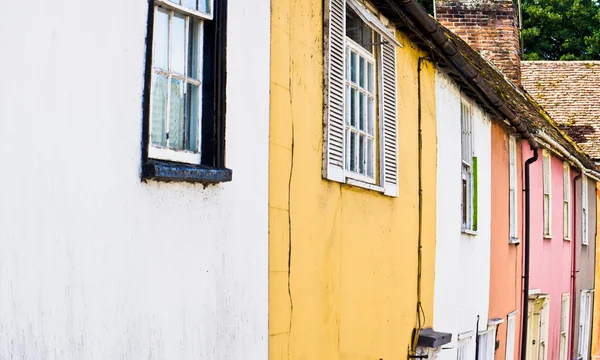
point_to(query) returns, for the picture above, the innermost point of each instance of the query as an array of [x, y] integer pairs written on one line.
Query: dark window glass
[[357, 30]]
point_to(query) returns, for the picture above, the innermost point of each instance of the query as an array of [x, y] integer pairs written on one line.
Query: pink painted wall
[[550, 267]]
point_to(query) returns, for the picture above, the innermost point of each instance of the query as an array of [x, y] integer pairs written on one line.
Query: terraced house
[[331, 281], [136, 226], [293, 179], [569, 92]]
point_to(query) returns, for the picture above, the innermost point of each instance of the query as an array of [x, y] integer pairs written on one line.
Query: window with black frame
[[184, 118]]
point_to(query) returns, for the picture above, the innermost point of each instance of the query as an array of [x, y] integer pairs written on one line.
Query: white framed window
[[487, 343], [360, 116], [468, 169], [546, 169], [585, 317], [566, 201], [510, 335], [176, 94], [183, 132], [465, 347], [584, 210], [512, 190], [360, 139], [544, 328], [564, 327]]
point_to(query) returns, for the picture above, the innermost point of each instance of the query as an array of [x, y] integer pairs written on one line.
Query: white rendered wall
[[95, 264], [462, 264]]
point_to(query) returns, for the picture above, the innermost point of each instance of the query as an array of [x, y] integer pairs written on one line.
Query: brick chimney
[[490, 27]]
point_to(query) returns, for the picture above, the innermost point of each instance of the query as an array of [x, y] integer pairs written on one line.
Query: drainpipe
[[574, 265], [477, 339], [524, 312]]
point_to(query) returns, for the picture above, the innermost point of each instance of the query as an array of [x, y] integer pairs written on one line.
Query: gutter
[[564, 152], [469, 74]]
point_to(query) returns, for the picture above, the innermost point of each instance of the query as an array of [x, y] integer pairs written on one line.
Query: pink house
[[551, 246]]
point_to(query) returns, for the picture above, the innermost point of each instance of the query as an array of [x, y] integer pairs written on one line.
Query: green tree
[[561, 29]]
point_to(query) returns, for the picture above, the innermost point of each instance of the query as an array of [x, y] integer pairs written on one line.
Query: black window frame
[[212, 164]]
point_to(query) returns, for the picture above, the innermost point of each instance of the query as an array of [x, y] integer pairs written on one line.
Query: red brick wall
[[490, 27]]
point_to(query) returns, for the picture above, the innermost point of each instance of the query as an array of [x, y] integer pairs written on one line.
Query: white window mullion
[[169, 79]]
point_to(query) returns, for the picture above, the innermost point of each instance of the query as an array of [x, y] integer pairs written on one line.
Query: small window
[[564, 327], [360, 144], [487, 342], [584, 210], [566, 201], [185, 87], [468, 169], [510, 336], [547, 194], [465, 348], [512, 190], [585, 317], [361, 116]]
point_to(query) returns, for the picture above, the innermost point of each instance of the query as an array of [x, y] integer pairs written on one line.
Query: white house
[[462, 264], [133, 196]]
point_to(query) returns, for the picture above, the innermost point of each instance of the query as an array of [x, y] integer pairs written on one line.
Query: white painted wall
[[462, 264], [95, 264]]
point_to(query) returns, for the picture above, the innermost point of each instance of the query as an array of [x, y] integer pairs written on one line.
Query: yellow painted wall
[[342, 260], [596, 318]]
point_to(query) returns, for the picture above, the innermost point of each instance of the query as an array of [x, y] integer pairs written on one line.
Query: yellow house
[[352, 183]]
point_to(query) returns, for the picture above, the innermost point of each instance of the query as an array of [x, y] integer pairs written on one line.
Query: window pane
[[361, 72], [192, 117], [176, 119], [353, 107], [361, 111], [161, 40], [512, 210], [370, 77], [194, 40], [566, 219], [159, 110], [353, 67], [370, 157], [348, 108], [371, 115], [361, 154], [203, 6], [546, 214], [190, 4], [358, 31], [178, 44], [352, 151], [464, 201]]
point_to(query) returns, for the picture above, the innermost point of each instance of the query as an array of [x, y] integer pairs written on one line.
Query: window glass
[[176, 84], [358, 31], [161, 40], [360, 101]]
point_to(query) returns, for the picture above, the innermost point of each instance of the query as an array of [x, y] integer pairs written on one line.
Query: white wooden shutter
[[333, 133], [389, 120]]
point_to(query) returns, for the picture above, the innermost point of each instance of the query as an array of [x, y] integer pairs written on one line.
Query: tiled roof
[[520, 102], [570, 92]]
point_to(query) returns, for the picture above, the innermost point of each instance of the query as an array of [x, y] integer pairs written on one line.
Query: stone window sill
[[172, 171]]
